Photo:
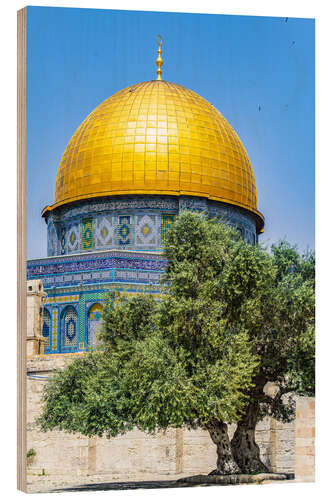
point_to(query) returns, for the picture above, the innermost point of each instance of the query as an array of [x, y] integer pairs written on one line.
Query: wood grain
[[21, 245]]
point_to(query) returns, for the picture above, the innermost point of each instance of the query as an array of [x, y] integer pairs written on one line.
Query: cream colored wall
[[35, 294], [305, 439], [72, 459]]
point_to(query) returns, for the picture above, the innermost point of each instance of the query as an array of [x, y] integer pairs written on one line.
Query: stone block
[[305, 432], [263, 425], [305, 450]]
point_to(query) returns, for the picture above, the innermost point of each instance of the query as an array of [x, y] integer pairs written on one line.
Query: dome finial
[[159, 60]]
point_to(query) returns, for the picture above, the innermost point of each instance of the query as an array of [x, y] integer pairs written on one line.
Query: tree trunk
[[225, 461], [244, 447]]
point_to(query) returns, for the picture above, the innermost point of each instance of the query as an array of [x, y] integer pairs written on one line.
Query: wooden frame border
[[21, 246]]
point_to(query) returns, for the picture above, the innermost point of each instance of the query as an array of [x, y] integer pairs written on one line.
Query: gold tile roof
[[156, 137]]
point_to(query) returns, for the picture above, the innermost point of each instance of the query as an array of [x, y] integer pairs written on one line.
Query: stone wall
[[305, 439], [282, 446], [67, 459]]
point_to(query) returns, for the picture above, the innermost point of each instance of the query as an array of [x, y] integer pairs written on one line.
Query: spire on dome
[[159, 60]]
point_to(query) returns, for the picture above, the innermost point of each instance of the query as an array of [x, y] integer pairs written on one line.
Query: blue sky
[[258, 71]]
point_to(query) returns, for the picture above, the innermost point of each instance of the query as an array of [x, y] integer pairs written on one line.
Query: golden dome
[[156, 137]]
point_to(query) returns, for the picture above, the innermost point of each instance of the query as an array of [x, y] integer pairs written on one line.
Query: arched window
[[47, 330], [69, 330], [94, 321]]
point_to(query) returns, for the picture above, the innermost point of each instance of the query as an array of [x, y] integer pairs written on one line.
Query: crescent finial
[[159, 60]]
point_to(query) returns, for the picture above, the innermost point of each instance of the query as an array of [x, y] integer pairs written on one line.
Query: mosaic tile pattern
[[147, 231], [94, 321], [137, 231], [234, 215], [82, 280], [69, 327], [86, 300], [62, 299], [52, 239], [76, 261], [193, 203], [46, 330], [73, 238], [54, 329], [166, 222], [135, 276], [104, 228], [82, 319], [87, 234], [63, 241], [77, 270], [78, 327], [119, 204], [105, 225], [124, 230]]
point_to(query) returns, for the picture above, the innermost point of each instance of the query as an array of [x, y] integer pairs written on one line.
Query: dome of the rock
[[156, 137], [141, 158]]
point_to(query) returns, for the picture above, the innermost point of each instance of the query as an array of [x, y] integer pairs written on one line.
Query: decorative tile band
[[97, 255], [52, 267], [115, 204], [54, 329], [118, 223], [61, 299]]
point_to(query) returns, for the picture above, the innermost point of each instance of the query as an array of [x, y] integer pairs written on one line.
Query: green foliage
[[296, 286], [281, 324], [31, 453], [294, 325], [233, 314], [126, 320]]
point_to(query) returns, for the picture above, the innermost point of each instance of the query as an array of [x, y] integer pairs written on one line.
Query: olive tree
[[231, 318]]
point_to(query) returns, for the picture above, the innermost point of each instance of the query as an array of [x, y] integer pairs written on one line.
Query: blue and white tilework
[[124, 230], [110, 243], [104, 231], [73, 237], [133, 223], [69, 327], [147, 231], [47, 330], [52, 239]]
